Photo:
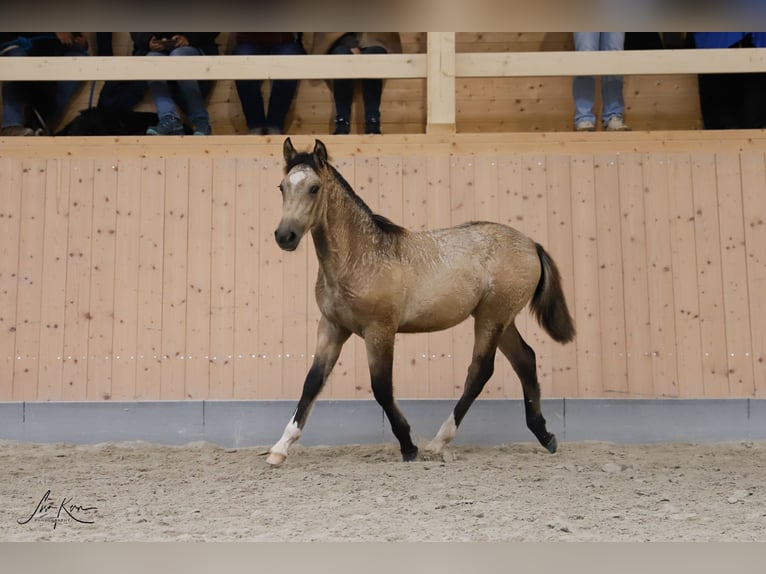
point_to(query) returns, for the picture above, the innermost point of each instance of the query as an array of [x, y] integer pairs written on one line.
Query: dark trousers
[[733, 101], [282, 91], [343, 90]]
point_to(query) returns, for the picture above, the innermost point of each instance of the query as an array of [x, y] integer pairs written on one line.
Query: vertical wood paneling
[[248, 276], [79, 252], [222, 265], [660, 276], [734, 271], [101, 332], [685, 288], [586, 308], [198, 280], [610, 275], [10, 222], [636, 289], [126, 274], [754, 206], [712, 316], [150, 271], [122, 279], [53, 298], [271, 287], [174, 269], [30, 267], [560, 247]]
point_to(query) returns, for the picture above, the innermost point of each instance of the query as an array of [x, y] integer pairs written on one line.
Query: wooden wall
[[145, 268], [483, 104]]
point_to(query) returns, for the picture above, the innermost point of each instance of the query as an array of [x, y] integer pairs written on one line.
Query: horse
[[377, 279]]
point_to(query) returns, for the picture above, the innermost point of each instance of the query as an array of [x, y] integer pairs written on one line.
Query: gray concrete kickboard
[[757, 418], [12, 421], [172, 423], [260, 423], [656, 420]]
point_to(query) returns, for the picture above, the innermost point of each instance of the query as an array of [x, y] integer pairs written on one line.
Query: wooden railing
[[440, 66]]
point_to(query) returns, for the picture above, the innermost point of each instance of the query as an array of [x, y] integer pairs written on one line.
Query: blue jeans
[[190, 91], [584, 87], [372, 89], [282, 91], [16, 94]]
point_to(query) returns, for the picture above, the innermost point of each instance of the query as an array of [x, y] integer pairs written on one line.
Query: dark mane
[[382, 222]]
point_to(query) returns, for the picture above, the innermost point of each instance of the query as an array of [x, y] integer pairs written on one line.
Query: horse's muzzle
[[287, 239]]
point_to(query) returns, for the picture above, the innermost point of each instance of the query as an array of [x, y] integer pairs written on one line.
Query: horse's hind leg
[[523, 360], [481, 369], [380, 356], [330, 339]]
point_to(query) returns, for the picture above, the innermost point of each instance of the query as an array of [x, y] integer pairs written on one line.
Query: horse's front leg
[[330, 340], [380, 356]]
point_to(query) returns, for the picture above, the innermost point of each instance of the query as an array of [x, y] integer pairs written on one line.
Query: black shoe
[[342, 127], [372, 126]]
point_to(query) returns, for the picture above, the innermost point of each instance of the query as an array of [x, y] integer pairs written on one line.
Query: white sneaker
[[585, 126], [615, 124]]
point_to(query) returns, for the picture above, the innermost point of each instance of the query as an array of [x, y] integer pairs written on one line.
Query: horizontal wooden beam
[[320, 67], [626, 62]]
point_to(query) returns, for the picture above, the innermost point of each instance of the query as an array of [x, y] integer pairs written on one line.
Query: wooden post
[[440, 83]]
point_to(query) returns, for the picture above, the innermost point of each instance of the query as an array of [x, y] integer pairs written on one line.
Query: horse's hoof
[[410, 456], [275, 459], [552, 445]]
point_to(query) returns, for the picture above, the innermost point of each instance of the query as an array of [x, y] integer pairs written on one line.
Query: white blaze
[[296, 177]]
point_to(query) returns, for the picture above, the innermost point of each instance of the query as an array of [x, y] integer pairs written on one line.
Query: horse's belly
[[436, 314]]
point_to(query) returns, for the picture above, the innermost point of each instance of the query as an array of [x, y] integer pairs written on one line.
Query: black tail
[[548, 303]]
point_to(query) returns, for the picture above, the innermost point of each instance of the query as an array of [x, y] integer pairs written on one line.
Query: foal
[[377, 279]]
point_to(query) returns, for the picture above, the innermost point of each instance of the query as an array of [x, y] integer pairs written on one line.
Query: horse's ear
[[320, 153], [288, 151]]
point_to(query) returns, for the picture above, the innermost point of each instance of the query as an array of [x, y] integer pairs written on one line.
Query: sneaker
[[169, 125], [202, 128], [372, 126], [585, 126], [615, 124], [342, 127], [257, 131], [272, 131], [9, 131]]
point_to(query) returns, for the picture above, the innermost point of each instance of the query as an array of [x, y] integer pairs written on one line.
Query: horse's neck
[[345, 233]]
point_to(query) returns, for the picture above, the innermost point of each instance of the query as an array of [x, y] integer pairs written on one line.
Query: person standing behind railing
[[48, 100], [584, 87], [732, 101], [177, 44], [343, 90]]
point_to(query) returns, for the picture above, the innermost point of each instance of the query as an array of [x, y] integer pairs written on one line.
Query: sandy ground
[[585, 492]]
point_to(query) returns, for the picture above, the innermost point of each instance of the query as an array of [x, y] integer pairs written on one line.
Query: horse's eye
[[314, 189]]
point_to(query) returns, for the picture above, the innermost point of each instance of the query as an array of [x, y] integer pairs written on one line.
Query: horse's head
[[300, 193]]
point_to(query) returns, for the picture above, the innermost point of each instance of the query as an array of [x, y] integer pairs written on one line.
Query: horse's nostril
[[286, 239]]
